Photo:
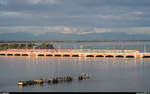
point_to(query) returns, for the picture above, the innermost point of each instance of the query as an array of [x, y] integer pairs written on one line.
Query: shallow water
[[105, 74]]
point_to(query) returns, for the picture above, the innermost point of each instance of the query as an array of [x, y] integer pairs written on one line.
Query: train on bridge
[[79, 50]]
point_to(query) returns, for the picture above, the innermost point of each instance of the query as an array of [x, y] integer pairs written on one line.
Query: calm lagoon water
[[106, 75]]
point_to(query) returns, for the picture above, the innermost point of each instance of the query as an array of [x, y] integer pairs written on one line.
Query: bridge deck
[[77, 54], [107, 53]]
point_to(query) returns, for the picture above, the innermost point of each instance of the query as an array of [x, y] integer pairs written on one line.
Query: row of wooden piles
[[54, 80]]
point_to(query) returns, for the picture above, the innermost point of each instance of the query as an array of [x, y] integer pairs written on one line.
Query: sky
[[74, 19]]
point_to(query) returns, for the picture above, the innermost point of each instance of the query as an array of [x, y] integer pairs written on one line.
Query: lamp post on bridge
[[81, 47], [34, 48], [144, 49]]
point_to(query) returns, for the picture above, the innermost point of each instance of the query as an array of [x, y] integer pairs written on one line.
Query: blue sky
[[74, 17]]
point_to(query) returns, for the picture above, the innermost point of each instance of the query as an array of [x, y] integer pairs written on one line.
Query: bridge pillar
[[135, 54], [141, 55], [124, 56]]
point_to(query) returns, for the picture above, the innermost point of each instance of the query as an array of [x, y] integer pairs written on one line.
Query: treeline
[[25, 46], [49, 41]]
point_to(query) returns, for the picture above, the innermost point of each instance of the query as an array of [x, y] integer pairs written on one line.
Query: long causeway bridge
[[105, 53]]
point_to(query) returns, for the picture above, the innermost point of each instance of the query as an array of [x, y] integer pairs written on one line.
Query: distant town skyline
[[74, 19]]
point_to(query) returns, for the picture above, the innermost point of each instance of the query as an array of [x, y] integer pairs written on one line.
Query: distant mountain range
[[61, 36]]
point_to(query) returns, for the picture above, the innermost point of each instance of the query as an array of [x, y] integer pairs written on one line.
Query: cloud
[[80, 17], [3, 2], [7, 13], [39, 30], [34, 2], [101, 30], [139, 12], [137, 30]]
